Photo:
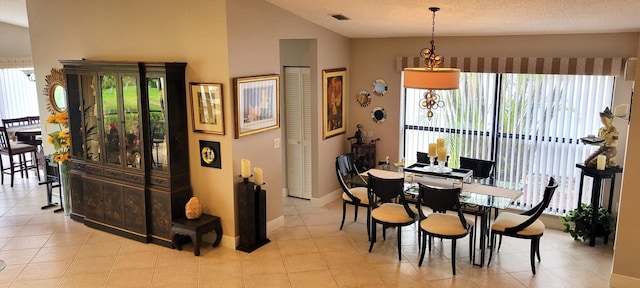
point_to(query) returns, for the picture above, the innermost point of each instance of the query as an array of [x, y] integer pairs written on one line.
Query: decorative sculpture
[[358, 135], [193, 209], [609, 135]]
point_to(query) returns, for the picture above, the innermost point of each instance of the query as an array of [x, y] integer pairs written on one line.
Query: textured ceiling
[[402, 18], [405, 18]]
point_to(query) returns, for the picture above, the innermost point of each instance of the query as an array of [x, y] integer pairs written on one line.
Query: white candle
[[432, 150], [258, 176], [602, 160], [442, 155], [245, 166]]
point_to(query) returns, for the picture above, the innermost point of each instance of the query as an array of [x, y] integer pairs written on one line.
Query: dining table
[[477, 194]]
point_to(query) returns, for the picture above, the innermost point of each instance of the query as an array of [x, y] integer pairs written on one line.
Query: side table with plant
[[61, 143], [578, 222]]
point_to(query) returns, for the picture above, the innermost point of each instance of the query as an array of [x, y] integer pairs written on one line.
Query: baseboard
[[326, 199], [621, 281], [275, 224]]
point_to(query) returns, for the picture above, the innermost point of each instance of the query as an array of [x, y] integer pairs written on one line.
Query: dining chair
[[525, 225], [482, 170], [389, 207], [13, 122], [442, 223], [354, 188], [12, 149]]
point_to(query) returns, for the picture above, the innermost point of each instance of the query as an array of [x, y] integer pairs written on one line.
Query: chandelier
[[432, 76]]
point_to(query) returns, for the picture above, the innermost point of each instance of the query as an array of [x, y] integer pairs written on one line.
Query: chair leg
[[424, 248], [532, 256], [372, 236], [453, 255], [538, 248], [399, 243], [344, 212], [500, 244], [472, 242], [355, 213], [369, 222], [493, 245]]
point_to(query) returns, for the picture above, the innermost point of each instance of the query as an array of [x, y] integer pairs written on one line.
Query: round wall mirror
[[379, 87], [378, 115], [363, 98], [55, 92]]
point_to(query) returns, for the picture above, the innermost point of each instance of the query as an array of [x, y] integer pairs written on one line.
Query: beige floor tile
[[130, 278], [309, 251], [304, 262], [312, 279], [89, 280], [44, 270]]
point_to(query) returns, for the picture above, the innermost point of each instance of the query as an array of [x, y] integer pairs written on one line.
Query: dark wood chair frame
[[533, 213], [11, 149], [380, 191], [441, 200], [346, 168]]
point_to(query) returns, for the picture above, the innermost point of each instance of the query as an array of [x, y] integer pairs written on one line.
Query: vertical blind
[[530, 124], [18, 95]]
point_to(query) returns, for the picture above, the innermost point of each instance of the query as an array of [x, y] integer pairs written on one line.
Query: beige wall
[[15, 41], [220, 40], [627, 254], [136, 31]]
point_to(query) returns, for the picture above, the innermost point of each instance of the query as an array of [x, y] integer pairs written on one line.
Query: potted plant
[[578, 222]]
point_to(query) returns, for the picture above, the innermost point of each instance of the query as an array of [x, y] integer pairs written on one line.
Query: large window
[[530, 124], [18, 95]]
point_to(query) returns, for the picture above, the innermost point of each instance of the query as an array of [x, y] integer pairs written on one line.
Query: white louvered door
[[297, 83]]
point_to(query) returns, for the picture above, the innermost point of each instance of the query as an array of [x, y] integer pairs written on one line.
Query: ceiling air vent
[[340, 17]]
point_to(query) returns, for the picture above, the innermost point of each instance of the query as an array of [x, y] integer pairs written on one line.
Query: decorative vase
[[66, 187], [193, 209]]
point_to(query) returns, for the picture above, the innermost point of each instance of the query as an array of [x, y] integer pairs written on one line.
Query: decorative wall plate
[[378, 115], [363, 98], [380, 87]]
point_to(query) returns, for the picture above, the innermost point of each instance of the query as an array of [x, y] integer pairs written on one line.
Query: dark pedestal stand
[[598, 176], [252, 216]]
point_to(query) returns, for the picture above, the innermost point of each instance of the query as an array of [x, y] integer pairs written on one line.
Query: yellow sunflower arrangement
[[60, 139]]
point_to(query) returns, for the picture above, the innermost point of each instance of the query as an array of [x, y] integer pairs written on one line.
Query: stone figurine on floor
[[609, 134]]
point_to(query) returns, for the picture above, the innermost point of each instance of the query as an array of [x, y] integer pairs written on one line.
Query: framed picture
[[207, 108], [334, 91], [257, 104], [210, 154]]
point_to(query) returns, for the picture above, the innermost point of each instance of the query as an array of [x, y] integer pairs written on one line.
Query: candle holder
[[245, 180], [432, 162], [440, 166]]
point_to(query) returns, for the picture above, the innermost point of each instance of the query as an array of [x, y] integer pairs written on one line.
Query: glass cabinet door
[[90, 111], [131, 121], [155, 86], [111, 121]]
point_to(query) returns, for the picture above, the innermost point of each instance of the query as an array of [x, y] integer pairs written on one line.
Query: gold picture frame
[[207, 108], [334, 91], [257, 107]]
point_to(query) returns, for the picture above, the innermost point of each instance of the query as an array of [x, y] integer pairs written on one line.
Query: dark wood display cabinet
[[129, 146]]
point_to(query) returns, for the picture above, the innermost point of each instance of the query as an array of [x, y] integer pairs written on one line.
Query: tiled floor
[[43, 249]]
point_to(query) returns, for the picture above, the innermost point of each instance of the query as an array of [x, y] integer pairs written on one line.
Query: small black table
[[194, 229], [597, 175]]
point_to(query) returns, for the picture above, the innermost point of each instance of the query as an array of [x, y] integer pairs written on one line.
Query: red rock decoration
[[193, 209]]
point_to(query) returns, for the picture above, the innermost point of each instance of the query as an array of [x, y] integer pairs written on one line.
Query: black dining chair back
[[354, 190], [482, 169], [441, 224], [12, 149], [525, 225], [13, 122], [389, 207]]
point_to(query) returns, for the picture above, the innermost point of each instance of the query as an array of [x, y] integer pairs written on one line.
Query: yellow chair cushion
[[392, 213], [360, 193], [443, 224], [508, 220]]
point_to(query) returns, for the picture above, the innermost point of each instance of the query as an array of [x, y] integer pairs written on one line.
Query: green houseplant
[[578, 222]]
